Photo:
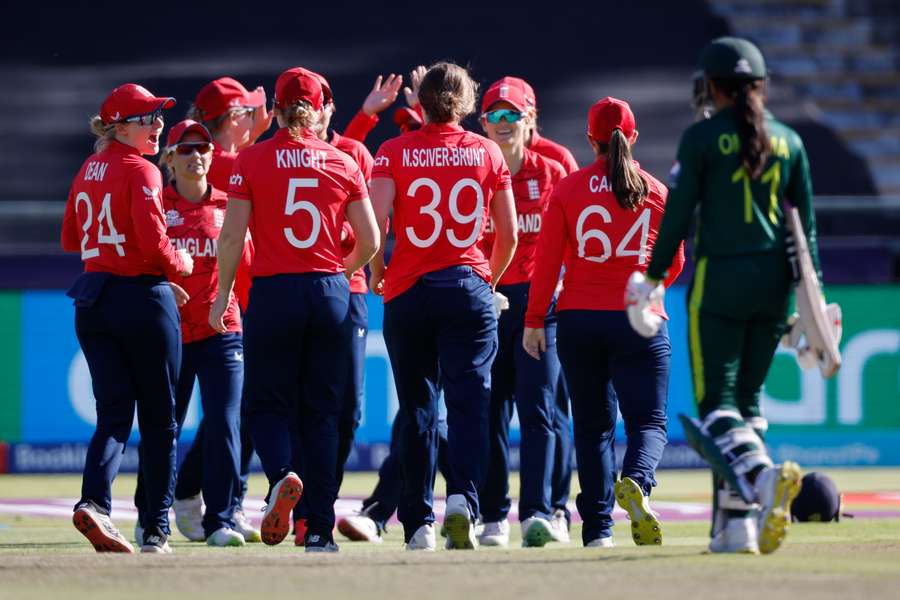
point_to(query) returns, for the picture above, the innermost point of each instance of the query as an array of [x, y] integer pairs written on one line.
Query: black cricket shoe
[[316, 542], [155, 542]]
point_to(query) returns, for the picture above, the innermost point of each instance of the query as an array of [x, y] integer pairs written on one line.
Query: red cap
[[182, 128], [406, 118], [508, 89], [607, 115], [216, 97], [299, 84], [131, 100], [328, 97]]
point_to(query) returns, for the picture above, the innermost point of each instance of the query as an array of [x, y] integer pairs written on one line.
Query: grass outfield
[[856, 558]]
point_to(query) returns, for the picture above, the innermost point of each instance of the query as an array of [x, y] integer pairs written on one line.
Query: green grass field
[[856, 558]]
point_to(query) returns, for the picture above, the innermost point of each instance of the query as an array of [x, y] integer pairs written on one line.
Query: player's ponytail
[[105, 133], [447, 93], [626, 181], [750, 120], [299, 116]]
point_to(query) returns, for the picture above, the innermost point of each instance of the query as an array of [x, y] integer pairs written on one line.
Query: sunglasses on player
[[511, 116], [187, 148], [145, 120]]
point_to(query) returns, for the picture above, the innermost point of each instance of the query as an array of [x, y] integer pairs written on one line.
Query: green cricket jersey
[[737, 215]]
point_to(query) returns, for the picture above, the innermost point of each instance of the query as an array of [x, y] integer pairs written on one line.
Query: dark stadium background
[[60, 60]]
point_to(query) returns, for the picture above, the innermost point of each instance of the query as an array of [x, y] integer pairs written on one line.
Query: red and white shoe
[[360, 527], [277, 515], [98, 528]]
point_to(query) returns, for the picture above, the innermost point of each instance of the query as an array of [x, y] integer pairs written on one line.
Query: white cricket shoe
[[604, 542], [458, 523], [776, 487], [536, 532], [189, 518], [423, 539], [244, 527], [559, 526], [738, 536], [225, 536], [360, 528], [495, 533]]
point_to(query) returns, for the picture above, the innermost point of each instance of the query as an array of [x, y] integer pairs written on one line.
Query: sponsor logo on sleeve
[[382, 161], [236, 179], [151, 193]]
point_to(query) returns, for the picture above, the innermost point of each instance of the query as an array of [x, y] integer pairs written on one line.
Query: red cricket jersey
[[359, 153], [602, 243], [114, 216], [445, 180], [299, 190], [531, 187], [221, 167], [550, 149], [195, 226]]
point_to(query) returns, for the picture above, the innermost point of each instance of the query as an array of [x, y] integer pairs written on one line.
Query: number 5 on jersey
[[292, 205], [640, 226], [113, 237]]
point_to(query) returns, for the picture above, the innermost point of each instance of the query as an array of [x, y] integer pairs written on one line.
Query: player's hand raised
[[382, 94], [412, 92]]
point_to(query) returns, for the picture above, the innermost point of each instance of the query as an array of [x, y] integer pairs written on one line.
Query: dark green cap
[[732, 58]]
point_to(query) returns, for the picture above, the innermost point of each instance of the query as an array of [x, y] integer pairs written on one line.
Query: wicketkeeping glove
[[640, 295]]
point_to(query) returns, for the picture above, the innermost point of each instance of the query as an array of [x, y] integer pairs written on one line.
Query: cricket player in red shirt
[[515, 376], [126, 317], [440, 324], [236, 118], [561, 479], [194, 214], [603, 220], [295, 191]]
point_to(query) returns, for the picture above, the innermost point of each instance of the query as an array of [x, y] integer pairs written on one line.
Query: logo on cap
[[504, 91], [743, 66]]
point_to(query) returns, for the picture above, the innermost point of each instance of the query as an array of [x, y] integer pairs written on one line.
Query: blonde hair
[[105, 133], [447, 93], [299, 116]]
